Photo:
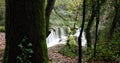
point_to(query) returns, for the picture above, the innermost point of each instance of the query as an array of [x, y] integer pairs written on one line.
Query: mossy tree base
[[25, 19]]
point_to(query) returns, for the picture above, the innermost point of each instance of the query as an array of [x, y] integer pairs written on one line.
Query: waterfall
[[83, 36], [60, 36], [62, 32], [52, 39]]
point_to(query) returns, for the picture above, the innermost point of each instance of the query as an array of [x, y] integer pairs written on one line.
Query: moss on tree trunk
[[25, 19]]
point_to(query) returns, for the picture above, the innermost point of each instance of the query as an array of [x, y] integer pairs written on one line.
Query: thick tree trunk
[[50, 5], [25, 19]]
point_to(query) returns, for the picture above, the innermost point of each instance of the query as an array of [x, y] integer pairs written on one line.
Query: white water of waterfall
[[59, 36], [63, 34], [83, 36], [57, 33]]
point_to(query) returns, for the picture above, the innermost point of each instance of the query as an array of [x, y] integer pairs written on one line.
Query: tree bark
[[25, 19], [96, 31], [82, 27], [88, 34], [50, 5], [90, 22]]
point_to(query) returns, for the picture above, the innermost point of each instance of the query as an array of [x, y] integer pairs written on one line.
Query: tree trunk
[[50, 5], [90, 22], [25, 20], [88, 34], [115, 20], [82, 27], [96, 31]]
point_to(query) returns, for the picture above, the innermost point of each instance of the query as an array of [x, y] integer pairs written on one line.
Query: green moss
[[2, 29]]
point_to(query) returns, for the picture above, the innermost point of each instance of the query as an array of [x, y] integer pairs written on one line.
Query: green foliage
[[71, 40], [68, 12], [103, 53], [26, 51], [71, 51], [108, 51], [2, 29]]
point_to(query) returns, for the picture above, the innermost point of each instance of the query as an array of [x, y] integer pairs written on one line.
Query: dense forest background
[[102, 25], [99, 19]]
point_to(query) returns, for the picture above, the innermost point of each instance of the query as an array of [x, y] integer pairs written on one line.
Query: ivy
[[27, 52]]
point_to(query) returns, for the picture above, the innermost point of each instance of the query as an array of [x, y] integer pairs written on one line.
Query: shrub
[[105, 51], [71, 51]]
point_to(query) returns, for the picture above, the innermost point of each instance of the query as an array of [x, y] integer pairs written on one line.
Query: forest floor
[[2, 45], [54, 55]]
